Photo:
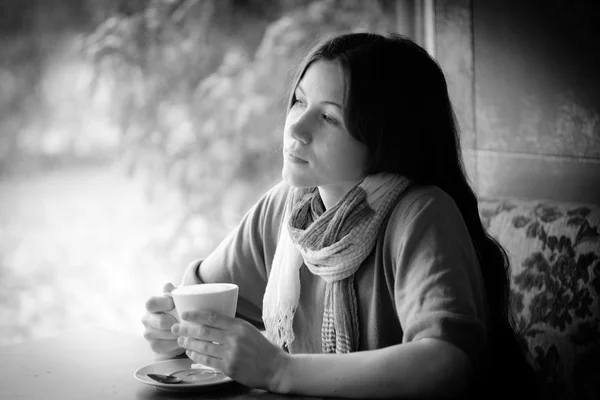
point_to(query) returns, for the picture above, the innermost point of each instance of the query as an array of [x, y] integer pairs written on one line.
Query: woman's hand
[[232, 346], [158, 324]]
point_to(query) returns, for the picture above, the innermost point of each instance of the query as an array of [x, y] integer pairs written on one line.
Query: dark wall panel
[[454, 52], [524, 77], [537, 66], [503, 174]]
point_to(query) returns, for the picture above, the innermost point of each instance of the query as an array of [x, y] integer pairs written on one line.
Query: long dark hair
[[397, 104]]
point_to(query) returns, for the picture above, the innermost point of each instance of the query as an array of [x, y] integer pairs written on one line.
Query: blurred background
[[135, 134]]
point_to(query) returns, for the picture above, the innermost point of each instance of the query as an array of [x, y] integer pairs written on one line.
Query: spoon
[[172, 379], [168, 378]]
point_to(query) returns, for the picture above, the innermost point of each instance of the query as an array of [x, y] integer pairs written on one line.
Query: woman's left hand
[[233, 346]]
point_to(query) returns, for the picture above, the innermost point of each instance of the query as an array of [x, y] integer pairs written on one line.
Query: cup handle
[[172, 312]]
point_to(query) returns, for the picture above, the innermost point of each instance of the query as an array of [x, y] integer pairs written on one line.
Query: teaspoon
[[172, 379], [166, 378]]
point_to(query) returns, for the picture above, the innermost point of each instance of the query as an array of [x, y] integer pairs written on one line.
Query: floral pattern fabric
[[554, 249]]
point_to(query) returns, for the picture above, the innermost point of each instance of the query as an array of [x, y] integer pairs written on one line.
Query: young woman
[[368, 266]]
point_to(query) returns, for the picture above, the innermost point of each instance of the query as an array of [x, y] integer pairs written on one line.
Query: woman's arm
[[423, 368], [245, 255]]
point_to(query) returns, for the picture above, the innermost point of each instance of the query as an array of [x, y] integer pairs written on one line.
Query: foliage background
[[133, 136]]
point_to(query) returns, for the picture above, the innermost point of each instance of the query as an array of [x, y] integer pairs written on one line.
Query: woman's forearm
[[422, 368]]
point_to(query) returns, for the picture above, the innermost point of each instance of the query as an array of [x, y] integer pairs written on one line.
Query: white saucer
[[203, 378]]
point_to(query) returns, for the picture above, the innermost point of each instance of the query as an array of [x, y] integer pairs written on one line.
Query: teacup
[[217, 297]]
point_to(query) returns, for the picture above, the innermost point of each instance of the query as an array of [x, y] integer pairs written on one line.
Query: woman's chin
[[296, 180]]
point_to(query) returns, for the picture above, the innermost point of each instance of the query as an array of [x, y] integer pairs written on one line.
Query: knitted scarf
[[333, 244]]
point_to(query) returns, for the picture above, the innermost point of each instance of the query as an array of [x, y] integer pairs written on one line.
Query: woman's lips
[[294, 159]]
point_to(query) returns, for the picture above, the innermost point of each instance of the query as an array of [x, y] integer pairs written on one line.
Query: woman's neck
[[331, 194]]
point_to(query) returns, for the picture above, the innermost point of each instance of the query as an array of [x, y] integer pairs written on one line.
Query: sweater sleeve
[[245, 256], [439, 291]]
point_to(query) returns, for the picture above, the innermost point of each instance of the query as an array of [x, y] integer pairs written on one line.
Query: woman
[[368, 264]]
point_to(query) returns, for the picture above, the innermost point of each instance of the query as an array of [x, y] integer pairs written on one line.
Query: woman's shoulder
[[423, 200], [279, 191], [275, 198], [424, 219], [271, 205], [422, 207]]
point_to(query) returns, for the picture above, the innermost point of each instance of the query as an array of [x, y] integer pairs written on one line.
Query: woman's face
[[318, 150]]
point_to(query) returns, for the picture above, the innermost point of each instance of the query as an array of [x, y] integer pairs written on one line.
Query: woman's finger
[[159, 321], [197, 331], [202, 347], [209, 318], [152, 333], [209, 361], [165, 347], [162, 303], [168, 287]]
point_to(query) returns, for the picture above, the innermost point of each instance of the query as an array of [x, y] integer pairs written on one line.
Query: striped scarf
[[333, 244]]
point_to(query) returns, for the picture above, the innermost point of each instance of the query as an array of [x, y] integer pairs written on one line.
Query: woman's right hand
[[158, 324]]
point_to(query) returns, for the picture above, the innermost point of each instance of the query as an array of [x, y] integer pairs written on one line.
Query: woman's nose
[[301, 129]]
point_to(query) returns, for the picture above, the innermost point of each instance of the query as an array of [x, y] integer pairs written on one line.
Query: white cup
[[217, 297]]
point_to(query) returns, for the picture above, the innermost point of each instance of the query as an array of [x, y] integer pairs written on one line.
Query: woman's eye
[[330, 120], [298, 102]]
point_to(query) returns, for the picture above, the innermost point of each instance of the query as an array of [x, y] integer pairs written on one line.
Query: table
[[94, 363]]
